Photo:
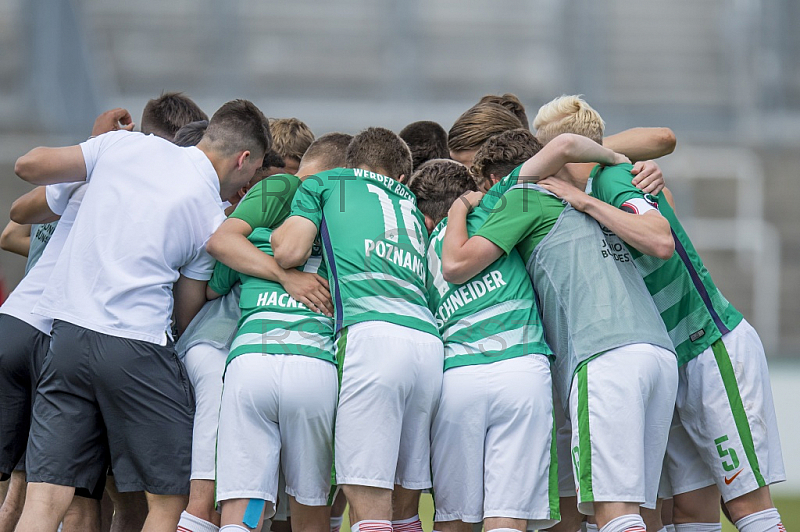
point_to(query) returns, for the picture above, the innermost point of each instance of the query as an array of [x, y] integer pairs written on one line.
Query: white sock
[[503, 530], [627, 523], [336, 523], [412, 524], [698, 527], [234, 528], [763, 521], [191, 523], [671, 528], [372, 525], [590, 527]]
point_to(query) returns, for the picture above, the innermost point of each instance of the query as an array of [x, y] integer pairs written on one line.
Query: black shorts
[[102, 395], [22, 349]]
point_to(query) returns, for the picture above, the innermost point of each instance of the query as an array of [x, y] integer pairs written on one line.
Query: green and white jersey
[[694, 311], [272, 322], [491, 317], [374, 241]]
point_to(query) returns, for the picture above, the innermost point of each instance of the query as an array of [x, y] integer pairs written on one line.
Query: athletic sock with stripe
[[235, 528], [412, 524], [586, 526], [372, 526], [625, 523], [192, 523], [699, 527], [671, 528], [763, 521], [336, 523]]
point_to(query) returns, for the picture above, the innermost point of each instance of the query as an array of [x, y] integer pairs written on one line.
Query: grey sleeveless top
[[591, 296], [40, 236], [215, 324]]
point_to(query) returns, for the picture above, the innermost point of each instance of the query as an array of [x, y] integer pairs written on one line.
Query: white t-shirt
[[64, 200], [149, 209]]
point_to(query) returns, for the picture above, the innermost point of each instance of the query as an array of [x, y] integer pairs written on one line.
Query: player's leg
[[613, 405], [14, 501], [727, 409], [520, 483], [249, 441], [83, 515], [337, 511], [129, 509], [426, 356], [205, 365], [308, 394]]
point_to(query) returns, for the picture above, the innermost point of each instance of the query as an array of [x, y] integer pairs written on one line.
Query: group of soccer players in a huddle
[[227, 324]]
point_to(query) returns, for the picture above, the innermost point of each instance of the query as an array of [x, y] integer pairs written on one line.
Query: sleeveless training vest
[[591, 296]]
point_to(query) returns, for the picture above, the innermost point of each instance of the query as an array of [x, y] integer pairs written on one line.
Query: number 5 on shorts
[[723, 453]]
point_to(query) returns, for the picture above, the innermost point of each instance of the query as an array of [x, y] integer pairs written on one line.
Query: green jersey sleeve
[[268, 203], [513, 221], [223, 279], [309, 200], [613, 185]]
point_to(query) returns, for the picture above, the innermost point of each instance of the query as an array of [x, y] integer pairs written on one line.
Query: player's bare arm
[[292, 241], [566, 148], [230, 246], [464, 257], [16, 238], [650, 232], [32, 208], [642, 143], [48, 166], [190, 296]]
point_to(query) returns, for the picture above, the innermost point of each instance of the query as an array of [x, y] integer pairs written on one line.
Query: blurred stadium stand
[[723, 74]]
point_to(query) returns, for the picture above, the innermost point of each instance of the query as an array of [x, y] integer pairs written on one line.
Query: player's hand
[[648, 177], [470, 200], [112, 120], [621, 159], [309, 289], [566, 191]]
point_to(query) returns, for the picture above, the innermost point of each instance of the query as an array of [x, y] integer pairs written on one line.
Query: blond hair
[[291, 137], [568, 114]]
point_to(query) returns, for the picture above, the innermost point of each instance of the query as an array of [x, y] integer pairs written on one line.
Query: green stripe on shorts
[[584, 443], [737, 407], [552, 487], [341, 347]]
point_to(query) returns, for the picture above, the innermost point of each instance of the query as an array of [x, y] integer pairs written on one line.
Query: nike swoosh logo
[[729, 480]]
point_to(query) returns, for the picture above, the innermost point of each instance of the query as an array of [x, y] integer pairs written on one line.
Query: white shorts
[[276, 410], [391, 383], [205, 365], [725, 406], [621, 405], [684, 469], [492, 443]]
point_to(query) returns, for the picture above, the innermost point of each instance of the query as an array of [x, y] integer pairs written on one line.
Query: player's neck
[[574, 174]]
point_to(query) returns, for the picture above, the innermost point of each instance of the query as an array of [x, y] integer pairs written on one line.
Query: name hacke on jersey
[[393, 252], [267, 299], [467, 293]]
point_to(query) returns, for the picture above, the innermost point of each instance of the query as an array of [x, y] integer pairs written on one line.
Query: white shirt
[[148, 211], [64, 200]]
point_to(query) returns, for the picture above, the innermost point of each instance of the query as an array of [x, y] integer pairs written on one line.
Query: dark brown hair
[[502, 153], [237, 126], [437, 184], [379, 150], [165, 115], [427, 140]]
